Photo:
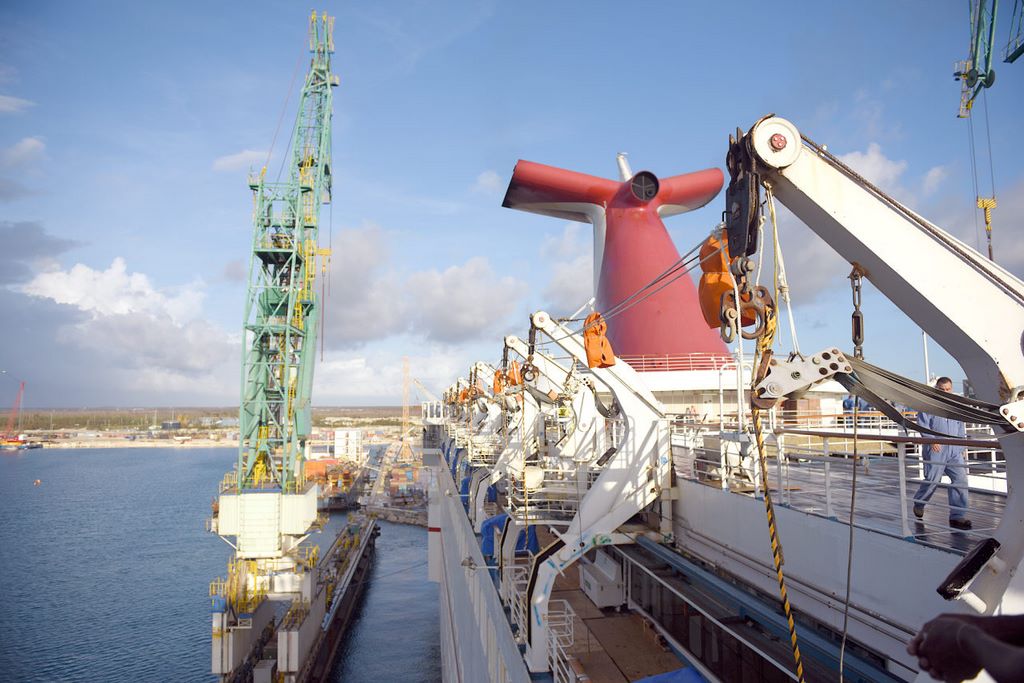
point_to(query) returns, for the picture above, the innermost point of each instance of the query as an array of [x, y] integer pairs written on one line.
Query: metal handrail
[[561, 636], [896, 438], [678, 362], [814, 476], [514, 581]]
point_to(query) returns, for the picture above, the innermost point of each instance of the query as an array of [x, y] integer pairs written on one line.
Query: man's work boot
[[960, 524], [919, 511]]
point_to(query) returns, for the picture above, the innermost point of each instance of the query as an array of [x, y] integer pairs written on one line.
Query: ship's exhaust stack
[[631, 248], [625, 172]]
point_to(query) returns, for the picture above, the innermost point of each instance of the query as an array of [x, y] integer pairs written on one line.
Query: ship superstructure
[[275, 613], [727, 502]]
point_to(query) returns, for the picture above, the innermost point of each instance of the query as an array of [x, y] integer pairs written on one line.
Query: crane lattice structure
[[405, 452], [1015, 44], [282, 306], [267, 508], [976, 72]]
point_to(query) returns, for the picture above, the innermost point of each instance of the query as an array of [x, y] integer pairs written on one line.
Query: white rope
[[781, 284], [760, 250], [737, 326]]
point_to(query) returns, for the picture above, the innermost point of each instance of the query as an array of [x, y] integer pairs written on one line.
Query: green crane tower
[[266, 508], [282, 306]]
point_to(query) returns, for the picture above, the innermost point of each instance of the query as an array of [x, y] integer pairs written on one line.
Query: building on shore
[[348, 445]]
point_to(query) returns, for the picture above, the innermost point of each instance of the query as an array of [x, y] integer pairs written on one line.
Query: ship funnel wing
[[557, 192], [689, 191]]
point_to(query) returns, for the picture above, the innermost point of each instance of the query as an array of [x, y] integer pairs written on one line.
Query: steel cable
[[681, 267]]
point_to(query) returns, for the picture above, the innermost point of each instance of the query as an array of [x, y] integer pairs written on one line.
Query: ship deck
[[610, 646], [821, 482], [619, 645]]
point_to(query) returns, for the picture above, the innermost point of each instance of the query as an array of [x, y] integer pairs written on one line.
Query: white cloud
[[933, 178], [347, 377], [574, 239], [114, 291], [876, 167], [11, 190], [14, 105], [240, 161], [27, 249], [365, 300], [571, 261], [488, 182], [156, 344], [867, 114], [461, 302], [24, 152], [144, 341], [812, 267], [571, 285], [235, 271], [965, 221], [370, 300]]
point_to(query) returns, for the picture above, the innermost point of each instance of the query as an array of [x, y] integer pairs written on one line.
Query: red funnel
[[631, 248]]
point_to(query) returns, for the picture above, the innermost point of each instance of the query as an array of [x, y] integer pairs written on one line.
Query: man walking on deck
[[944, 459]]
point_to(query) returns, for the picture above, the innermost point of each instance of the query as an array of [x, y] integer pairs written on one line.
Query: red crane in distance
[[9, 434]]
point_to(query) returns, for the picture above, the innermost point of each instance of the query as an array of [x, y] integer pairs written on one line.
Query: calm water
[[395, 635], [105, 568]]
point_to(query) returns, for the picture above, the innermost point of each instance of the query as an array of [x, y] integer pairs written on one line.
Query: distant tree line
[[141, 419]]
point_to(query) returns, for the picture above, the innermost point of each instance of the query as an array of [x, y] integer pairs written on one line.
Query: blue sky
[[127, 130]]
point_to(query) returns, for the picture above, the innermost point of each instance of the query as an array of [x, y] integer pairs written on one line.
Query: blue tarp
[[527, 539], [455, 462], [685, 675], [464, 490], [487, 530]]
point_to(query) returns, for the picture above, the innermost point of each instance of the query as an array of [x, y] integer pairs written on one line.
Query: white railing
[[680, 362], [813, 472], [483, 638], [553, 499], [483, 450], [514, 580], [561, 623]]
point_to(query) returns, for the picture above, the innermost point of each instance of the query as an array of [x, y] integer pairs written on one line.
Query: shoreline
[[84, 444]]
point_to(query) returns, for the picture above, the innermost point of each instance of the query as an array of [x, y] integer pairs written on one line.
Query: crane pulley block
[[742, 197]]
